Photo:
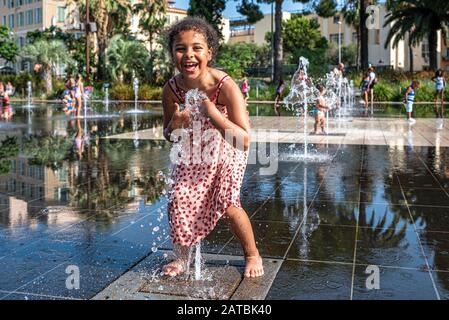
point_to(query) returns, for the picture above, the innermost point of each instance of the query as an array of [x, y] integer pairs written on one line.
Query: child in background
[[320, 109], [364, 88], [440, 83], [409, 99], [245, 90], [69, 101], [279, 91]]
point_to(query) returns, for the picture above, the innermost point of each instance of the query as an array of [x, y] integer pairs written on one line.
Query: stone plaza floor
[[378, 198]]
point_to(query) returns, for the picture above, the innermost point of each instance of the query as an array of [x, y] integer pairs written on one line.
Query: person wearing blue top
[[440, 83], [409, 99]]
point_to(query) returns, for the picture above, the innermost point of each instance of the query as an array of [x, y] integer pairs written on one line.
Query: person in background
[[279, 90], [440, 83], [245, 90], [409, 99], [372, 83]]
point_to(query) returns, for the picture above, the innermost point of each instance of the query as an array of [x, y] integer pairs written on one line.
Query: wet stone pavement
[[72, 200]]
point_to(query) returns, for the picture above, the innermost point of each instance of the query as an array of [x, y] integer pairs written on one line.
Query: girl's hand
[[180, 119]]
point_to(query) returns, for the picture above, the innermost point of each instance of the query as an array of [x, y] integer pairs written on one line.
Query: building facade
[[397, 58], [22, 16]]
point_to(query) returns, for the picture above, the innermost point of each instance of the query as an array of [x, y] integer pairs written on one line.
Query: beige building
[[242, 32], [22, 16], [394, 57]]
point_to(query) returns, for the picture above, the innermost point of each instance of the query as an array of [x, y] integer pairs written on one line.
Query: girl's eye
[[198, 48]]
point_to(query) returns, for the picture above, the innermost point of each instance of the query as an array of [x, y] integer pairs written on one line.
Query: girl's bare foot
[[174, 268], [254, 266]]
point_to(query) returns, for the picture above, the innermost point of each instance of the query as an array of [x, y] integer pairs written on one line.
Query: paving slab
[[221, 279]]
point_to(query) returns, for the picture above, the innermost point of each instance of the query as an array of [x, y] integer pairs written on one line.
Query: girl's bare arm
[[238, 119]]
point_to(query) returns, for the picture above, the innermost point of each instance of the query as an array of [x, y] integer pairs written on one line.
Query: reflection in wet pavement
[[69, 197]]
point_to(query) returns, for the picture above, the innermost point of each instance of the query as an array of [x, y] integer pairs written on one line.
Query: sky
[[231, 7]]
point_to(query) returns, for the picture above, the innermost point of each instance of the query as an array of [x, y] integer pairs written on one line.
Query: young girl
[[202, 194], [320, 108], [245, 90], [440, 83], [79, 92], [364, 88], [409, 99]]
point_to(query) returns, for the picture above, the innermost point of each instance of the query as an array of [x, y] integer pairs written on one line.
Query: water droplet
[[154, 249], [156, 229]]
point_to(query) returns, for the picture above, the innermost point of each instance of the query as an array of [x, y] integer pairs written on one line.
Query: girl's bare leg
[[437, 107], [243, 231]]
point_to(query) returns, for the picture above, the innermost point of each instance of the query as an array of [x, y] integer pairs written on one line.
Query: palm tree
[[419, 19], [152, 18], [48, 54], [111, 17], [124, 56]]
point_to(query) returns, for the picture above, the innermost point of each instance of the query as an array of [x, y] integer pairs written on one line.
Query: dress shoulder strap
[[220, 84], [175, 89]]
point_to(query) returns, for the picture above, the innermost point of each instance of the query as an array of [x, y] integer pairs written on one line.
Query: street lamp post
[[87, 42], [272, 44], [339, 40]]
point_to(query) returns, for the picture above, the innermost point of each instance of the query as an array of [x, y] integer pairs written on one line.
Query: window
[[11, 21], [354, 37], [374, 37], [425, 50], [29, 17], [38, 15], [61, 14], [334, 37], [336, 19], [5, 20], [21, 19]]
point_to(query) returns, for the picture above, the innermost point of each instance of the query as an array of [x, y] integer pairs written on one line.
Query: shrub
[[121, 92], [147, 92]]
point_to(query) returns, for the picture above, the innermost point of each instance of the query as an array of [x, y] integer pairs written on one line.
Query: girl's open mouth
[[190, 67]]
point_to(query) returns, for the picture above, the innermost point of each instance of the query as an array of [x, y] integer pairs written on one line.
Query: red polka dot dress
[[203, 190]]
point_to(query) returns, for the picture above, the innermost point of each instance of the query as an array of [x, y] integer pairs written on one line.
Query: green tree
[[302, 32], [234, 58], [124, 56], [48, 54], [419, 19], [8, 48], [210, 10], [75, 47], [351, 15], [326, 8]]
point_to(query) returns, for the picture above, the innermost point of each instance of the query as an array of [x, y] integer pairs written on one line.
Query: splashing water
[[302, 93], [198, 261]]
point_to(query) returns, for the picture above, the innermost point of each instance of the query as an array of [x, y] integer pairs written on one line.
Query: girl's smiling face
[[191, 53]]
